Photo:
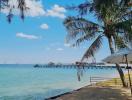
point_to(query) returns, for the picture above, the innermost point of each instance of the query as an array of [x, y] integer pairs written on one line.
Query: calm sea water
[[23, 82]]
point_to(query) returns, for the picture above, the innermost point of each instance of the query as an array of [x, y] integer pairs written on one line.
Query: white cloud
[[59, 49], [56, 11], [26, 36], [58, 8], [44, 26], [35, 8]]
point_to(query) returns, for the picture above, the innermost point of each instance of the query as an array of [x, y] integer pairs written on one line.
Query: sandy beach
[[105, 90], [95, 93]]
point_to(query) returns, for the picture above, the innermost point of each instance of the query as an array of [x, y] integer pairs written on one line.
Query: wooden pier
[[74, 66]]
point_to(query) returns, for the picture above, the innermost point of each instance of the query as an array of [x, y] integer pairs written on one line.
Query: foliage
[[21, 5], [114, 21]]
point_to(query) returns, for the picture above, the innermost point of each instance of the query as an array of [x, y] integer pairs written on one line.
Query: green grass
[[114, 81]]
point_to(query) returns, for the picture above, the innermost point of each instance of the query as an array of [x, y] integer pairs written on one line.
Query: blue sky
[[41, 37]]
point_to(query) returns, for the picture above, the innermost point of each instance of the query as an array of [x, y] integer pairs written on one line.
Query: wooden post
[[129, 74]]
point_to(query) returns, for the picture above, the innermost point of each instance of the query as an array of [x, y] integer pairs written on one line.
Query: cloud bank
[[36, 9]]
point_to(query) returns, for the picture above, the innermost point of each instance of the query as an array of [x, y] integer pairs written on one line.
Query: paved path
[[94, 93]]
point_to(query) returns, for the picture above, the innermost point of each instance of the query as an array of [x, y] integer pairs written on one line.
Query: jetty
[[77, 65]]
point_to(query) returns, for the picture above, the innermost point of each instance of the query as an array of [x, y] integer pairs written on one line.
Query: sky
[[40, 38]]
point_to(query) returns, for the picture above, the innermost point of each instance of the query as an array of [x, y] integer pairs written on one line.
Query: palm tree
[[114, 23], [21, 5]]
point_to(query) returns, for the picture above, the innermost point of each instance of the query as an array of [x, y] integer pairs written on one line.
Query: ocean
[[24, 82]]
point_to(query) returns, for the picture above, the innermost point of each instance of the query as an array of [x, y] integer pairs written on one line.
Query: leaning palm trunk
[[122, 77]]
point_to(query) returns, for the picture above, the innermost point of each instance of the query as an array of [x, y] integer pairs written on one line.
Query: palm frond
[[107, 3], [82, 8], [123, 13], [124, 27], [20, 4], [125, 2], [86, 37], [119, 42], [95, 46], [111, 10], [124, 32], [22, 7], [79, 26], [128, 38]]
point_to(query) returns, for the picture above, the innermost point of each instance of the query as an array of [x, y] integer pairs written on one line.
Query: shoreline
[[94, 93], [54, 97], [97, 86]]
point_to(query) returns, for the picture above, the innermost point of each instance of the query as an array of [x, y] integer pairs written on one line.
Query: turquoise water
[[23, 82]]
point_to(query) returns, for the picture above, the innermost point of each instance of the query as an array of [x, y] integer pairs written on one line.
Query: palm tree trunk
[[122, 77], [111, 46]]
